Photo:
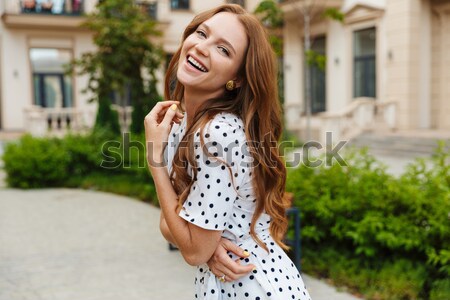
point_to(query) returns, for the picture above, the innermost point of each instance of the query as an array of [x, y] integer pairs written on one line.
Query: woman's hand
[[158, 124], [221, 264]]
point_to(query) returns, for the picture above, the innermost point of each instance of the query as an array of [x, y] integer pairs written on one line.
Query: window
[[240, 2], [364, 70], [148, 8], [317, 76], [179, 4], [122, 100], [52, 88]]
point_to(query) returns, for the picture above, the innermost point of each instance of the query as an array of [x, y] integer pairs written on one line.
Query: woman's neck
[[193, 100]]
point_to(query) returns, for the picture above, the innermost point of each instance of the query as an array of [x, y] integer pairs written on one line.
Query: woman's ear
[[238, 82]]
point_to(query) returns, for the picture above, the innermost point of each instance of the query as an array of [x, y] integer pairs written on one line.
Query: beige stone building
[[387, 67], [38, 36]]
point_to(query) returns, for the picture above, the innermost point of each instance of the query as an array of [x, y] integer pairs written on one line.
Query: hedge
[[388, 237], [99, 160]]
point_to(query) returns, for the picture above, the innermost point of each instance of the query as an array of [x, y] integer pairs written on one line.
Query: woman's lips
[[196, 63]]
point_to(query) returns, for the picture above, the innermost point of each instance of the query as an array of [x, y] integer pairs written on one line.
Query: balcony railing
[[47, 7], [65, 7], [41, 121]]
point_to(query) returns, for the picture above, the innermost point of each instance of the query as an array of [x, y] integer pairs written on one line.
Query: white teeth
[[196, 63]]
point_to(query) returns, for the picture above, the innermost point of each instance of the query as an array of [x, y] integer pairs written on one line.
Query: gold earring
[[231, 85]]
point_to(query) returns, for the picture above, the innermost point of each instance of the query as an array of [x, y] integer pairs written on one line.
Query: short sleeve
[[216, 187]]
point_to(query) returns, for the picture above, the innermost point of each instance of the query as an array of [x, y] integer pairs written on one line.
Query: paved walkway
[[64, 244]]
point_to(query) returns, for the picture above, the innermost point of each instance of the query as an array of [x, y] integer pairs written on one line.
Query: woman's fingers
[[177, 119], [157, 130], [218, 269], [230, 246], [221, 264], [234, 270], [159, 109], [229, 276], [169, 116]]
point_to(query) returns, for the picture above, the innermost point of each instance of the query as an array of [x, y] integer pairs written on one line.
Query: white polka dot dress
[[222, 198]]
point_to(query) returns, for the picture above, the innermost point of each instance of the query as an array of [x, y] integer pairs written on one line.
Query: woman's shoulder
[[225, 128], [225, 125], [229, 120]]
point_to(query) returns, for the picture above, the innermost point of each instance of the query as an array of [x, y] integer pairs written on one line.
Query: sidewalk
[[64, 244]]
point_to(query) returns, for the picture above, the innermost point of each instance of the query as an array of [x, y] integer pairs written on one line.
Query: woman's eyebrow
[[221, 39]]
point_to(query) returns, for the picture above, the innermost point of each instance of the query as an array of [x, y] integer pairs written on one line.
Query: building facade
[[387, 66], [37, 37]]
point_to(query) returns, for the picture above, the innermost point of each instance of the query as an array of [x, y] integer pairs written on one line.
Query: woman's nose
[[202, 48]]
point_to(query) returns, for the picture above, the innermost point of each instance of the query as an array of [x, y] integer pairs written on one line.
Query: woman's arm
[[196, 244], [165, 230], [219, 263]]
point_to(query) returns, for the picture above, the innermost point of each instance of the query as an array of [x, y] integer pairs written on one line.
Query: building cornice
[[54, 22], [41, 21], [361, 12], [292, 8]]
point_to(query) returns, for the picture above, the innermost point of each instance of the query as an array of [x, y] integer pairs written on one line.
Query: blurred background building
[[387, 63], [387, 67]]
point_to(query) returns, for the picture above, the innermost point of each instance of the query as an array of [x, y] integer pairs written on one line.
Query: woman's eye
[[201, 33], [224, 51]]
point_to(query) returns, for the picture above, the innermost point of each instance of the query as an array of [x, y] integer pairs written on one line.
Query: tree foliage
[[271, 17], [334, 14], [124, 62]]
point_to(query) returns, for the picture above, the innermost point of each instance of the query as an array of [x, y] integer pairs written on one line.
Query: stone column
[[409, 61]]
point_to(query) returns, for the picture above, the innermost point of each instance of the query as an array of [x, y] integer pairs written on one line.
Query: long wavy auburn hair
[[256, 103]]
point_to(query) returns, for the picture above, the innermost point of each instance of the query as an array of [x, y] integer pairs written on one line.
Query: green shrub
[[397, 229], [289, 142], [83, 152], [122, 184], [99, 160], [440, 290], [36, 162], [397, 280]]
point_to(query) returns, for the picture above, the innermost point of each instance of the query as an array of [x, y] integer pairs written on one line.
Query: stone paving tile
[[64, 244]]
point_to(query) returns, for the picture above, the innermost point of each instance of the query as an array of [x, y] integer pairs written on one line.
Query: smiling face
[[213, 55]]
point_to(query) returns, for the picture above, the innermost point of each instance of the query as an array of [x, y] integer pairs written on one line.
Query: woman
[[224, 181]]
